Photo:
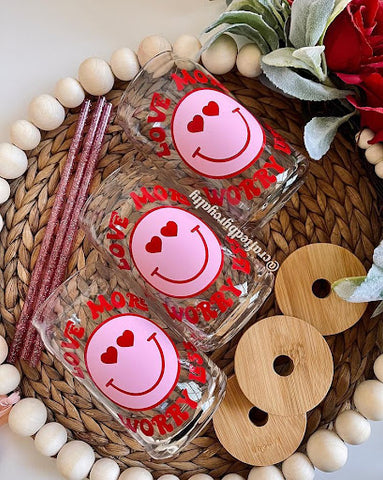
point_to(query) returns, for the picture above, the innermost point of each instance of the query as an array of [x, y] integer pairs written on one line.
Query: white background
[[44, 40]]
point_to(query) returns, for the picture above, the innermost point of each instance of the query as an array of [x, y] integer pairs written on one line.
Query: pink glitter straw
[[63, 253], [44, 288], [30, 300]]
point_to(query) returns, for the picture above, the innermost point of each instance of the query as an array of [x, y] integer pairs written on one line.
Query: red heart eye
[[154, 246], [211, 109], [126, 339], [110, 356], [170, 229], [196, 125]]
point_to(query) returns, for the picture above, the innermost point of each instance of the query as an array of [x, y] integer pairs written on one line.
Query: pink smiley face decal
[[176, 252], [215, 135], [132, 361]]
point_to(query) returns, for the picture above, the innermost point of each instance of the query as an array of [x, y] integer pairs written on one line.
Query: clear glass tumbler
[[196, 130], [159, 387], [197, 277]]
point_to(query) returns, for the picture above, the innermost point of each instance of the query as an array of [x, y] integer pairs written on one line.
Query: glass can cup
[[157, 386], [193, 127], [197, 277]]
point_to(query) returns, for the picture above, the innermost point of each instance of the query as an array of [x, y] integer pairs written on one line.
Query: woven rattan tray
[[337, 204]]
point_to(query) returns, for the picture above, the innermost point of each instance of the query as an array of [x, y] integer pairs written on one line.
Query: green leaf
[[240, 29], [257, 7], [378, 310], [308, 21], [251, 19], [294, 84], [320, 132], [312, 57], [307, 58], [339, 6]]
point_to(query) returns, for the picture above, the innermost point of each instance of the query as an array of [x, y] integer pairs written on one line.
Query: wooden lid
[[297, 351], [252, 436], [303, 287]]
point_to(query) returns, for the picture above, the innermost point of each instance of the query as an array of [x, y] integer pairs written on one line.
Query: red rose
[[354, 40], [354, 51]]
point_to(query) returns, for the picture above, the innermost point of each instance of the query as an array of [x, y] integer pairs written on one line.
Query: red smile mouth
[[158, 381], [198, 153], [198, 274]]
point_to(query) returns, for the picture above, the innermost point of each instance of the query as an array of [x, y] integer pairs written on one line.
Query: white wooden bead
[[9, 378], [232, 476], [151, 46], [46, 112], [201, 476], [326, 451], [298, 467], [265, 473], [96, 76], [136, 473], [13, 161], [249, 61], [5, 191], [27, 417], [379, 169], [1, 223], [168, 476], [187, 46], [105, 469], [69, 92], [75, 460], [363, 137], [374, 153], [352, 427], [3, 350], [124, 63], [378, 368], [368, 399], [25, 135], [50, 439], [220, 57]]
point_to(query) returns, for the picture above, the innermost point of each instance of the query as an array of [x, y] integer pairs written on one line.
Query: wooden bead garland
[[69, 92], [298, 467], [249, 61], [13, 161], [136, 473], [9, 378], [232, 476], [3, 350], [187, 46], [150, 47], [124, 64], [368, 399], [50, 439], [363, 138], [168, 476], [265, 473], [201, 476], [75, 460], [105, 469], [326, 451], [378, 368], [95, 76], [27, 417], [25, 135], [46, 112], [352, 427], [221, 56], [257, 473]]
